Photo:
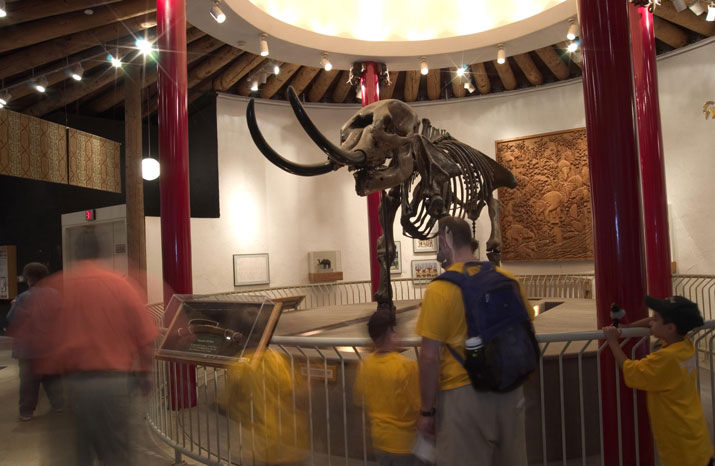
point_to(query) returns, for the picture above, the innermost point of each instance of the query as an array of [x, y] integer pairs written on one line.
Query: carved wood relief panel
[[548, 216]]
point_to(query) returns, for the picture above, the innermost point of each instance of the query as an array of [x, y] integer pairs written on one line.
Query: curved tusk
[[335, 153], [275, 157]]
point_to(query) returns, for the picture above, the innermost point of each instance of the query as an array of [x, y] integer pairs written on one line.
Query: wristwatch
[[429, 413]]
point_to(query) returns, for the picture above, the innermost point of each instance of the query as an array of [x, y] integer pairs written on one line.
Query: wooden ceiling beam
[[575, 57], [237, 70], [195, 50], [481, 79], [342, 88], [303, 77], [387, 91], [212, 64], [685, 19], [244, 85], [46, 52], [51, 28], [552, 59], [30, 10], [669, 33], [506, 75], [457, 83], [321, 84], [529, 68], [412, 85], [276, 81], [434, 84]]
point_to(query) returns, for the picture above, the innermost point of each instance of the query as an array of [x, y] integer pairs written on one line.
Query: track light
[[40, 84], [150, 168], [116, 62], [501, 55], [469, 86], [461, 70], [324, 62], [3, 9], [263, 41], [697, 8], [144, 46], [4, 98], [76, 72], [276, 69], [573, 30], [216, 13], [572, 47], [424, 69], [679, 5], [711, 12], [254, 85]]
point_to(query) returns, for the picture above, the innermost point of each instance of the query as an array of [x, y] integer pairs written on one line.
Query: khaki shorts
[[480, 428]]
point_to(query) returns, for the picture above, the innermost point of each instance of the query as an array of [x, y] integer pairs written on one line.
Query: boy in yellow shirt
[[668, 376], [388, 384]]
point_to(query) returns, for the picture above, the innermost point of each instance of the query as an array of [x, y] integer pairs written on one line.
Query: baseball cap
[[380, 322], [677, 309]]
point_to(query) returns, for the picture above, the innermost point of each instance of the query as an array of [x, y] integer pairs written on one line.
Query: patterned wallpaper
[[32, 148], [93, 161]]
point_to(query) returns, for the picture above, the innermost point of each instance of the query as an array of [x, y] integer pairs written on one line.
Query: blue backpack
[[495, 312]]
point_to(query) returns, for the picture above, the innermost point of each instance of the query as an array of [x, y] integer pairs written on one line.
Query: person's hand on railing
[[612, 333]]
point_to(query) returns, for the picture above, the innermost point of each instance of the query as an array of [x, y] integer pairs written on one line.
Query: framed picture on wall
[[396, 266], [424, 245], [424, 270], [250, 269]]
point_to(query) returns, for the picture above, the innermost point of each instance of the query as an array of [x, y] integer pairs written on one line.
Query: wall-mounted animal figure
[[419, 168]]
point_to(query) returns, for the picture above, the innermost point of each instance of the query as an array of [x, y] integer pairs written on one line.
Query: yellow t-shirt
[[442, 318], [389, 385], [676, 416]]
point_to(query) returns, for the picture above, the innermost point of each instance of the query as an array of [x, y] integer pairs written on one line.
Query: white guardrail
[[297, 406]]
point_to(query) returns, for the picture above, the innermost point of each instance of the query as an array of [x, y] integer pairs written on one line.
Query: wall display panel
[[548, 216], [251, 269], [32, 148], [94, 162]]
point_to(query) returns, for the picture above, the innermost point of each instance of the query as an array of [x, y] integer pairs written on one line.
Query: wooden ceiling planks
[[276, 81], [30, 10], [458, 82], [342, 87], [669, 33], [481, 78], [685, 19], [506, 75], [212, 63], [303, 77], [412, 85], [528, 67], [237, 70], [434, 84], [386, 92], [321, 84], [554, 62]]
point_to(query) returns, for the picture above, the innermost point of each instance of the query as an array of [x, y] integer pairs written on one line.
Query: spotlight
[[150, 168], [276, 69], [216, 13], [144, 46], [469, 86], [424, 69], [573, 30], [4, 98], [76, 72], [40, 84], [116, 62], [254, 85], [573, 46], [324, 62], [501, 55], [679, 5], [711, 12], [697, 8], [264, 44], [3, 9], [461, 70]]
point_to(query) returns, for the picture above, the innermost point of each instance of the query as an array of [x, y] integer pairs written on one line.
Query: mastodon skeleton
[[419, 168]]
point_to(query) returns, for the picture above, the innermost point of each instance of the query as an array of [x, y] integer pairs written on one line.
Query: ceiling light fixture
[[711, 12], [501, 54], [263, 41], [116, 62], [697, 8], [573, 30], [150, 168], [3, 9], [424, 69], [40, 84], [679, 5], [573, 46], [461, 70], [276, 69], [324, 62], [144, 46], [216, 12], [254, 85], [4, 98], [469, 86], [76, 72]]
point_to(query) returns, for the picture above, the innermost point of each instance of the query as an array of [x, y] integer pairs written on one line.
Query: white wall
[[264, 209]]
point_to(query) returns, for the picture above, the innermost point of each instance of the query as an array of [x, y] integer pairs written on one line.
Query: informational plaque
[[8, 272]]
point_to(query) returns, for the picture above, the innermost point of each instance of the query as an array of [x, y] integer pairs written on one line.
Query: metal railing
[[317, 419]]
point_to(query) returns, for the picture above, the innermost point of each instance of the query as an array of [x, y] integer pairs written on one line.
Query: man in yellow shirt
[[470, 428], [669, 379], [387, 382]]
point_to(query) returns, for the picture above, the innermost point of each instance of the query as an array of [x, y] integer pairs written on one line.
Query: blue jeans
[[30, 388]]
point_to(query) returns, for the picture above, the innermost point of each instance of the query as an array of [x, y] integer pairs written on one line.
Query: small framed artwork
[[396, 266], [424, 270], [250, 269], [424, 245]]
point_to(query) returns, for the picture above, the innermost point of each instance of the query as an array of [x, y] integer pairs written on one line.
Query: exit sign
[[89, 215]]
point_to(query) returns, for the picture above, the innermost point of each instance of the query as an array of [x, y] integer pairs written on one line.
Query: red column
[[174, 180], [370, 89], [615, 197], [650, 143]]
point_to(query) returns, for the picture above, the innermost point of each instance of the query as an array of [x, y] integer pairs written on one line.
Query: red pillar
[[615, 197], [174, 180], [370, 89], [650, 143]]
